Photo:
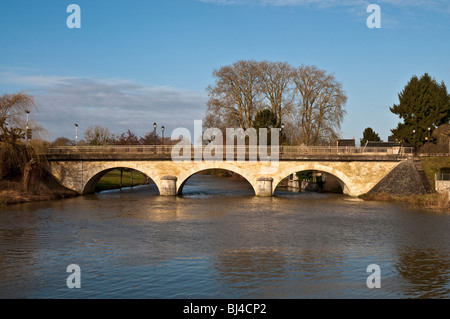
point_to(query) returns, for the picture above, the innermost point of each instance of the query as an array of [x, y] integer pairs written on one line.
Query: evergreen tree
[[423, 103], [369, 135], [265, 119]]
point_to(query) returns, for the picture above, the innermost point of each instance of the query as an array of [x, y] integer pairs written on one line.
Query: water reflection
[[426, 271], [245, 269]]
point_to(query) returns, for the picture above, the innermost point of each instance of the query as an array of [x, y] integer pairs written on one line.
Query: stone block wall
[[442, 186], [402, 180]]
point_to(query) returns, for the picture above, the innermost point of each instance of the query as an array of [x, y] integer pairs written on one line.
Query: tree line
[[99, 135], [311, 105], [305, 100]]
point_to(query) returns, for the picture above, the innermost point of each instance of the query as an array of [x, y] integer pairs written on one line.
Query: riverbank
[[435, 201], [13, 192]]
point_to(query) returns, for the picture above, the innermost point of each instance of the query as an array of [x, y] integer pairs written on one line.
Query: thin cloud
[[114, 103], [440, 6], [331, 3], [395, 13]]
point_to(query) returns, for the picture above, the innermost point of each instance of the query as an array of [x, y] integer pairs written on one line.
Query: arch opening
[[312, 181], [117, 178], [215, 181]]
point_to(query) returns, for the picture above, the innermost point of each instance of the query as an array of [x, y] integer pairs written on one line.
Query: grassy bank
[[47, 188], [435, 201], [14, 192], [435, 164], [111, 180]]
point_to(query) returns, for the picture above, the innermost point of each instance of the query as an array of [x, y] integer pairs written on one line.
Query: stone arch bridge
[[357, 169]]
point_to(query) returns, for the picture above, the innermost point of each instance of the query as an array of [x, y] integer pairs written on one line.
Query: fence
[[442, 176], [285, 152]]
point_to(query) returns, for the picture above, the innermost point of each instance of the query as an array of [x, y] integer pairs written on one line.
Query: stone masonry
[[357, 177]]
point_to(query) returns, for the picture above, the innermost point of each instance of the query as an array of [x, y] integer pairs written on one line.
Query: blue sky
[[135, 62]]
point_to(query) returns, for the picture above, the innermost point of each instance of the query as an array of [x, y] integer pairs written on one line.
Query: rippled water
[[220, 241]]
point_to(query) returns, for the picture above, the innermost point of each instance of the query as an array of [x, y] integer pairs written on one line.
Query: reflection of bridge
[[358, 169]]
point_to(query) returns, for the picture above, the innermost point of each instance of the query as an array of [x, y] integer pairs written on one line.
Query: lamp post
[[27, 128], [281, 137], [414, 142], [428, 140], [154, 136], [76, 134], [281, 133], [162, 130]]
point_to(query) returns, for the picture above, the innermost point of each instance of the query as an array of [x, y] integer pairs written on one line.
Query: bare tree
[[97, 135], [62, 141], [150, 138], [246, 87], [275, 80], [127, 138], [321, 102], [13, 108], [17, 158], [236, 95]]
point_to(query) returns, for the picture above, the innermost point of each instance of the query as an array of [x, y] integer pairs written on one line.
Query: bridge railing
[[114, 149], [285, 152], [288, 151], [442, 176]]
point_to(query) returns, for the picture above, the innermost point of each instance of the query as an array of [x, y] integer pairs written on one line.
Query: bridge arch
[[346, 182], [184, 176], [96, 174]]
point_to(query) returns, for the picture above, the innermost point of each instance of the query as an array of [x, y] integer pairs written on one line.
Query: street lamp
[[28, 112], [281, 138], [76, 134], [428, 140], [162, 130], [414, 142], [155, 138], [26, 131]]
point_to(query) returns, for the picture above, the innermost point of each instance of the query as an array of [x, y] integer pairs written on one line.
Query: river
[[218, 240]]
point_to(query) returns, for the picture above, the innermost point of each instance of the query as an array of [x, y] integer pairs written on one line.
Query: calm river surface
[[220, 241]]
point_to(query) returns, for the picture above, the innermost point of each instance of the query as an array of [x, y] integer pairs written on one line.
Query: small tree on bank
[[369, 135]]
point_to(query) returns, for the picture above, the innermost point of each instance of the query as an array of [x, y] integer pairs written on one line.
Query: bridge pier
[[168, 186], [263, 186]]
